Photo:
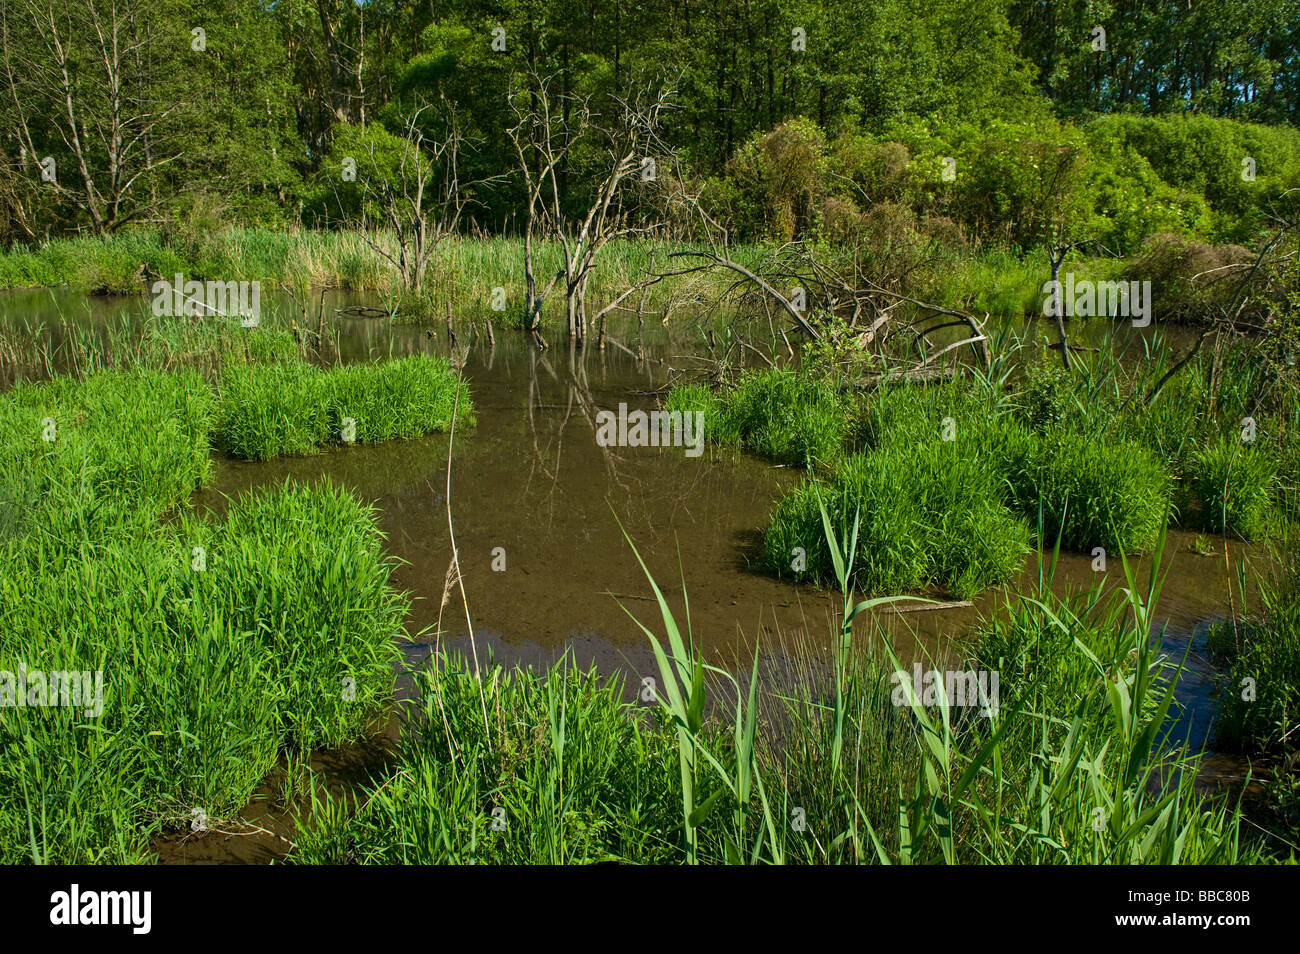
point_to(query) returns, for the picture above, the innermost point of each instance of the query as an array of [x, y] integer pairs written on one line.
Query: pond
[[539, 512]]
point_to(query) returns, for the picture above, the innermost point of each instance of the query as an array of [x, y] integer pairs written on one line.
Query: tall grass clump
[[279, 638], [1091, 492], [134, 440], [720, 427], [928, 512], [1087, 489], [570, 774], [402, 398], [1258, 697], [210, 345], [942, 475], [267, 410], [789, 417], [217, 645], [1234, 482], [1121, 394]]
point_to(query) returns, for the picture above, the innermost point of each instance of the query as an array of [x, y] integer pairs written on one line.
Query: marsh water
[[544, 521]]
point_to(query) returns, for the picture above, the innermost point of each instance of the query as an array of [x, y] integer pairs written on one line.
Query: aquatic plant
[[135, 440], [220, 645], [794, 419], [267, 410], [1092, 493], [928, 514], [1234, 483]]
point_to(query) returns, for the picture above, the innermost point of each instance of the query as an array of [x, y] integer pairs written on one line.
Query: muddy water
[[530, 488], [533, 493]]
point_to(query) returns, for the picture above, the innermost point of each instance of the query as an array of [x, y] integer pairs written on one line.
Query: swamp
[[534, 433]]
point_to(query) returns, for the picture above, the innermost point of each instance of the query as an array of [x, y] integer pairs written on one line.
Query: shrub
[[1189, 279], [1045, 394], [1203, 155]]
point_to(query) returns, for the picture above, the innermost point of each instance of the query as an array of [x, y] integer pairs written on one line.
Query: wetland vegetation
[[990, 554]]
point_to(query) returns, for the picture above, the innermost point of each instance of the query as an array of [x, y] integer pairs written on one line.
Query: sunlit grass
[[267, 410]]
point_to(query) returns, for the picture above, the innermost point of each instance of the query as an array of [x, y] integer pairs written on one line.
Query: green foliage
[[382, 164], [1213, 59], [1204, 156], [1025, 180], [1093, 493], [254, 129], [133, 441], [1130, 201], [1260, 692], [841, 769], [929, 514], [1234, 481], [293, 408], [795, 419]]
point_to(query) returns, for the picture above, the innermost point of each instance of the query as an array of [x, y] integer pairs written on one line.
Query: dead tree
[[542, 139], [833, 289], [1055, 256], [628, 142], [423, 201], [78, 89]]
